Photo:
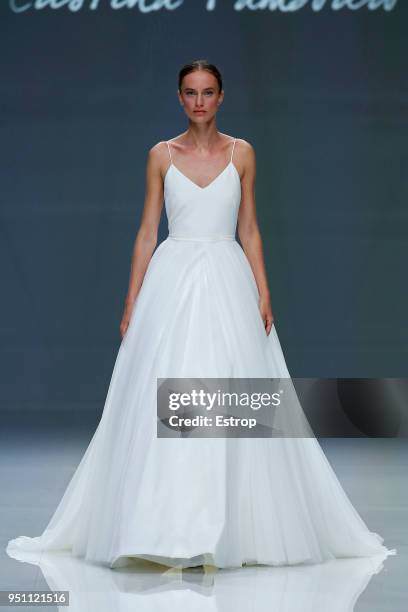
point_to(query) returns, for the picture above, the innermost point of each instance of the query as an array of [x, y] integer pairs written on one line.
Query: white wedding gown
[[185, 502]]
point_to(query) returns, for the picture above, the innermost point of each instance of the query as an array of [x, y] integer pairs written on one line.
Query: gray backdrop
[[88, 88]]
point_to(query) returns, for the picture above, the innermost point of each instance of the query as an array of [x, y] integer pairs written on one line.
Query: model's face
[[200, 96]]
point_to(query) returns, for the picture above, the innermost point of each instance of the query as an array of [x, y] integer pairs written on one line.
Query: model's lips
[[200, 111]]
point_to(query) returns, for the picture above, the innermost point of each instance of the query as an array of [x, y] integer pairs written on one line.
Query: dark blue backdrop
[[85, 92]]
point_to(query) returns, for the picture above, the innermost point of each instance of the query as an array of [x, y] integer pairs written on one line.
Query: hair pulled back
[[199, 64]]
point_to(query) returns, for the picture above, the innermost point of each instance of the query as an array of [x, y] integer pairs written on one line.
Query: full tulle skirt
[[187, 502]]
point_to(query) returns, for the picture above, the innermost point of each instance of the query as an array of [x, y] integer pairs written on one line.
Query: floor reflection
[[147, 587]]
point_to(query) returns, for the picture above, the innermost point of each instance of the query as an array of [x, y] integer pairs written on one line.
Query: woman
[[199, 308], [201, 152]]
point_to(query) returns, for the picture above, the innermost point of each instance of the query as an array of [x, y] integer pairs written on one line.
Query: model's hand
[[124, 324], [266, 312]]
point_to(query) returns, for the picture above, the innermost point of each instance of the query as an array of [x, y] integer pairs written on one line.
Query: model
[[199, 306]]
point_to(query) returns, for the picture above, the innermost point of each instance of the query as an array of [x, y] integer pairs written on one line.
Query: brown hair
[[200, 64]]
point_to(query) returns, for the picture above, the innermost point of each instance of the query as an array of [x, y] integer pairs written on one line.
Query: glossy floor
[[36, 465]]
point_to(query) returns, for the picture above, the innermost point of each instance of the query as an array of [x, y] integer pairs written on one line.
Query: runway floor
[[38, 457]]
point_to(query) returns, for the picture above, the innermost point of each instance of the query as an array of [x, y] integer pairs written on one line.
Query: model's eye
[[193, 93]]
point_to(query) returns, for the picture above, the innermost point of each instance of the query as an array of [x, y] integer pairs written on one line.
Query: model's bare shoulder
[[245, 148], [158, 157], [244, 156], [159, 151]]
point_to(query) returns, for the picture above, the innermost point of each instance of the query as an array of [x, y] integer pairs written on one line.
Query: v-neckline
[[209, 184]]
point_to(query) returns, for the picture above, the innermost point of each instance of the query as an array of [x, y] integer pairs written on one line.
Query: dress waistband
[[212, 238]]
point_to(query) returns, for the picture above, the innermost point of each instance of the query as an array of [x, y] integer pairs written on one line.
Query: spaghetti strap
[[232, 152], [168, 146]]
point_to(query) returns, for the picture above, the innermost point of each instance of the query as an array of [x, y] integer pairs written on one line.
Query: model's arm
[[146, 237], [248, 230]]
